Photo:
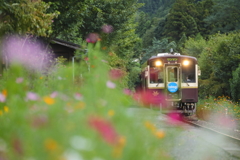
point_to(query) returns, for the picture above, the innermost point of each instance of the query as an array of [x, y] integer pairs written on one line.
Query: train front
[[172, 81]]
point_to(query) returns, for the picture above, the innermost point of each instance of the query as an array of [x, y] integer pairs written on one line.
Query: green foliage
[[218, 58], [181, 20], [225, 16], [70, 19], [25, 16], [159, 46], [194, 46], [234, 84]]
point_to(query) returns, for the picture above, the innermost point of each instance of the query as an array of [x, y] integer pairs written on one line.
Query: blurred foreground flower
[[107, 28], [78, 96], [150, 98], [116, 74], [26, 52], [110, 84], [19, 80], [175, 118], [6, 109], [158, 133], [39, 121], [2, 97], [51, 144], [49, 100], [32, 96], [17, 146], [92, 38], [105, 129]]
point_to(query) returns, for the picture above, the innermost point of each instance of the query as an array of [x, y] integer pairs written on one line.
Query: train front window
[[189, 73], [156, 72], [172, 73]]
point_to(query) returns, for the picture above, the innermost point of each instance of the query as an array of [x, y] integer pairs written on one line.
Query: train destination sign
[[172, 59], [172, 87]]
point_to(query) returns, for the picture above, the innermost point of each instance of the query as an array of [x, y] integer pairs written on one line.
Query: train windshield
[[156, 72], [172, 74], [189, 72]]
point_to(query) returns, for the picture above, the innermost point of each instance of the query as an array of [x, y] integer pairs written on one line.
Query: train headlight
[[186, 63], [158, 63]]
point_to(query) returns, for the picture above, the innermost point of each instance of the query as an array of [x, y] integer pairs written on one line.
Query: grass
[[218, 109]]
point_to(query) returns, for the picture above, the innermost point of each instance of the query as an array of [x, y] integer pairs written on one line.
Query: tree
[[181, 20], [25, 16], [159, 46], [71, 13], [225, 16], [204, 9], [234, 84], [218, 58]]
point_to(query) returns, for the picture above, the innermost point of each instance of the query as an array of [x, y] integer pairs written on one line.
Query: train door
[[173, 82]]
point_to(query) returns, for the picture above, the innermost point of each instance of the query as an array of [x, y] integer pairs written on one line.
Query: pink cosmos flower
[[25, 52], [19, 80], [105, 129], [127, 91], [150, 98], [32, 96], [175, 118], [92, 38], [107, 28], [116, 74], [110, 84], [78, 96], [2, 97], [54, 94], [17, 146]]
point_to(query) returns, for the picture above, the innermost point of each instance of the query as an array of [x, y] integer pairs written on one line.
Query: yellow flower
[[50, 144], [80, 105], [118, 148], [159, 134], [5, 108], [111, 113], [49, 100], [1, 112], [150, 126], [4, 92]]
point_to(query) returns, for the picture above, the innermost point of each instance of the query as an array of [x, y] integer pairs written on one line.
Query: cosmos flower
[[19, 80], [2, 98], [175, 118], [110, 84], [111, 113], [17, 146], [49, 100], [50, 144], [92, 38], [116, 74], [150, 98], [104, 128], [54, 94], [107, 28], [6, 109], [32, 96], [23, 51], [39, 121], [127, 91]]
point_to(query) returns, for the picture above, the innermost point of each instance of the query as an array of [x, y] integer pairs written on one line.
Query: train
[[172, 81]]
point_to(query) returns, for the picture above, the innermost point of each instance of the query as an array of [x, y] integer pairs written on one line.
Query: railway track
[[230, 138], [198, 140]]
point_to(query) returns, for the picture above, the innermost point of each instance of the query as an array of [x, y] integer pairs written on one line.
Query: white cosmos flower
[[81, 143]]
